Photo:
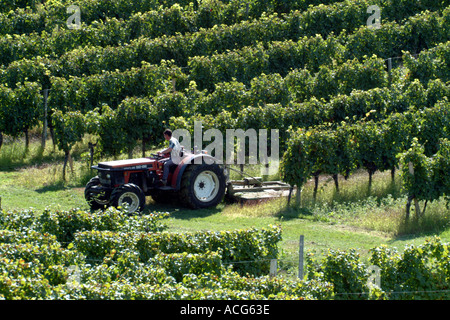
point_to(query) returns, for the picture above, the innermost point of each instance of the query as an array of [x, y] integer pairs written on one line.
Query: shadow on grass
[[178, 211], [292, 212], [57, 186]]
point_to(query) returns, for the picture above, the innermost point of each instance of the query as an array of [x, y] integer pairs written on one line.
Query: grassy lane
[[16, 195]]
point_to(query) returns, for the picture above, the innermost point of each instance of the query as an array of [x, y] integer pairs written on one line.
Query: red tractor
[[198, 181]]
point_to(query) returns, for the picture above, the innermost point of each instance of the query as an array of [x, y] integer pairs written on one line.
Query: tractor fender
[[185, 162]]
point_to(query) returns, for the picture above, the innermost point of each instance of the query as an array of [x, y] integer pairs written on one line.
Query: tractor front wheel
[[128, 196], [96, 201]]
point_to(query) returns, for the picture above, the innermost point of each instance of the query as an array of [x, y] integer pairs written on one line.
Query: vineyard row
[[323, 20], [152, 20]]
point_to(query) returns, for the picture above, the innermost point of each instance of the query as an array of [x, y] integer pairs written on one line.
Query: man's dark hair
[[168, 132]]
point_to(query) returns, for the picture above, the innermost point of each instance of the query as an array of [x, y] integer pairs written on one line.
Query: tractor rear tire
[[95, 201], [130, 196], [202, 186]]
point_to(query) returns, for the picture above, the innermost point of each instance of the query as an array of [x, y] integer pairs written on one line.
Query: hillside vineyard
[[347, 85]]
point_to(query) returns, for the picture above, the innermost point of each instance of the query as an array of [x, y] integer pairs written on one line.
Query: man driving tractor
[[174, 151]]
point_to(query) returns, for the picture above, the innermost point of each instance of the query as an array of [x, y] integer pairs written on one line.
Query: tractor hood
[[129, 164]]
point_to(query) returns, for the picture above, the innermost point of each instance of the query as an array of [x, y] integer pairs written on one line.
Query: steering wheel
[[157, 156]]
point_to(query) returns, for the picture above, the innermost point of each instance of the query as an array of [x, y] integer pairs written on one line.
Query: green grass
[[356, 217]]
